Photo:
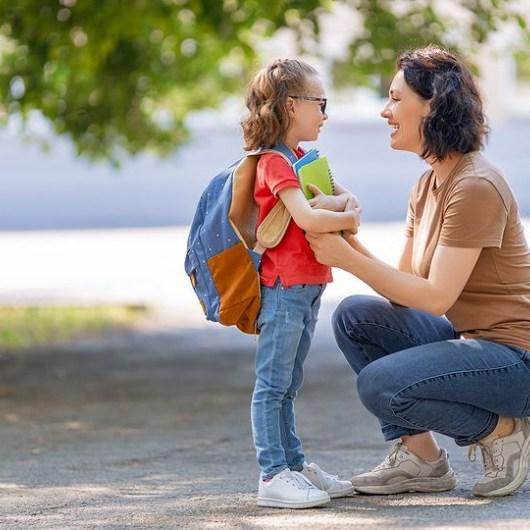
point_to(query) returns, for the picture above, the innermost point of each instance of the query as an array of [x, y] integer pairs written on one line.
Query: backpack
[[224, 248]]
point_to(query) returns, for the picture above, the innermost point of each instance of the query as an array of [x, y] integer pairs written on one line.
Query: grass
[[25, 327]]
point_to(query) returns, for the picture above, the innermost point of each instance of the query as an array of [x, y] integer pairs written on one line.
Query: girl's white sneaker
[[326, 482], [290, 489]]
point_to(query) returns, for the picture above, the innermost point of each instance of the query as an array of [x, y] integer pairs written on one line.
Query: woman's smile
[[394, 127]]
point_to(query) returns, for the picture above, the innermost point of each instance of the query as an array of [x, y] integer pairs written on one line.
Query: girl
[[468, 375], [287, 105]]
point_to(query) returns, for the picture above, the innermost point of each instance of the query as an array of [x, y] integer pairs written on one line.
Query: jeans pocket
[[269, 304], [523, 354], [298, 288]]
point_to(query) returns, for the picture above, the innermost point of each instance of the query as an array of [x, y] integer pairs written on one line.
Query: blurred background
[[115, 115]]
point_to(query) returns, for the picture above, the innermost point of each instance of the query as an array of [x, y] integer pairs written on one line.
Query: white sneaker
[[326, 482], [290, 489]]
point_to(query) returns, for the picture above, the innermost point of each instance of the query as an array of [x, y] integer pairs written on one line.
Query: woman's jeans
[[286, 322], [416, 375]]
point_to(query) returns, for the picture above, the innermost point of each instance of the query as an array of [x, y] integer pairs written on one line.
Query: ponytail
[[269, 120]]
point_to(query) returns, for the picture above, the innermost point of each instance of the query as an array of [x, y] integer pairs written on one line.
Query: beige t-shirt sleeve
[[475, 215]]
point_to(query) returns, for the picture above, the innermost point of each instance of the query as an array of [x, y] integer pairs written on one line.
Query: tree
[[121, 76], [389, 27]]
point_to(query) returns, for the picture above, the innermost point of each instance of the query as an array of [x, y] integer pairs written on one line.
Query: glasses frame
[[323, 101]]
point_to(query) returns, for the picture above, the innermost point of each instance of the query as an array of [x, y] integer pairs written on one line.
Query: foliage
[[522, 60], [121, 76], [390, 26]]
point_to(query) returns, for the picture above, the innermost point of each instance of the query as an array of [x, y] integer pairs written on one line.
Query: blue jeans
[[286, 322], [416, 375]]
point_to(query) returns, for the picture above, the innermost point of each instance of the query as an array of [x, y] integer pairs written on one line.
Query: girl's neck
[[443, 168], [291, 142]]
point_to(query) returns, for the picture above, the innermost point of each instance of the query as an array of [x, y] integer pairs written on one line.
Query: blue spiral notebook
[[314, 169]]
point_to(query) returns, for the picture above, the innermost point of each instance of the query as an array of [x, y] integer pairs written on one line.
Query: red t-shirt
[[292, 260]]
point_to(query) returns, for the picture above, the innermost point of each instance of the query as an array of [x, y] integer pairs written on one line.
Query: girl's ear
[[290, 105]]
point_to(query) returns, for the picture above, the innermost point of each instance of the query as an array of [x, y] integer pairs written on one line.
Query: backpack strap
[[272, 229]]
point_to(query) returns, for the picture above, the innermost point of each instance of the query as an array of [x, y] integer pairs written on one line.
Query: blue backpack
[[224, 248]]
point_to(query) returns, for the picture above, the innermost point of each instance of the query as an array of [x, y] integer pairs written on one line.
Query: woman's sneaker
[[326, 482], [290, 489], [505, 462], [402, 471]]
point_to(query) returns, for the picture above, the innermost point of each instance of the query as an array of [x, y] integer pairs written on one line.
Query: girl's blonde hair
[[268, 120]]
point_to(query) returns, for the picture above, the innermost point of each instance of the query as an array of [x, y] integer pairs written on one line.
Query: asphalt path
[[151, 430]]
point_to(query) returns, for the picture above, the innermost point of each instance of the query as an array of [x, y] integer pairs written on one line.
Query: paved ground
[[151, 430]]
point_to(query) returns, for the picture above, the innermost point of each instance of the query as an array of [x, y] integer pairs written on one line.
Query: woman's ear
[[426, 110]]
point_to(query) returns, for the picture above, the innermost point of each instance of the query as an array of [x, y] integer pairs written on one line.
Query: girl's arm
[[449, 272], [316, 220]]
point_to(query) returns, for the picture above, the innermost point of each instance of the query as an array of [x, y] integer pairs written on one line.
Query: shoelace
[[489, 457], [391, 457], [299, 481]]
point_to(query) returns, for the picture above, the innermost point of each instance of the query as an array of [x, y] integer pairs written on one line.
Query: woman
[[465, 374]]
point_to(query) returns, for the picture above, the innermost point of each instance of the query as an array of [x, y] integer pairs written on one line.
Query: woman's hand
[[330, 249], [352, 205]]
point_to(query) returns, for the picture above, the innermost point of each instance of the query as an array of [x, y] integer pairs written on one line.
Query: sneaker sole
[[417, 485], [275, 503], [342, 493], [519, 479]]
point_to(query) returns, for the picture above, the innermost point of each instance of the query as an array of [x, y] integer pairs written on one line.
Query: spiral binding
[[332, 181]]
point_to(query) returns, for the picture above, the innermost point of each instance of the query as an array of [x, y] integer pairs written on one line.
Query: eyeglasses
[[323, 101]]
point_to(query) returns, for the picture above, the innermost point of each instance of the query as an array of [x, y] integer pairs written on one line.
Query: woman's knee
[[352, 336], [375, 389], [353, 310]]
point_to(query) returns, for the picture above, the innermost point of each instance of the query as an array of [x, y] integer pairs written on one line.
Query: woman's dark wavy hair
[[268, 120], [456, 122]]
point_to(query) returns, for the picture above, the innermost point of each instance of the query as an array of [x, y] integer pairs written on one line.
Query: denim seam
[[429, 379], [391, 428], [384, 326], [527, 406]]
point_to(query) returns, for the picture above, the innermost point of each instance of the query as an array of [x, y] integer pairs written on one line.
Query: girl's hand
[[334, 203], [330, 249]]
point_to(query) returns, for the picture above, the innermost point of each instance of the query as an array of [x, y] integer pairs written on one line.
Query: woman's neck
[[443, 168]]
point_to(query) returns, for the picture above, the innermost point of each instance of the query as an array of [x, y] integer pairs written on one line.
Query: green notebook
[[319, 174]]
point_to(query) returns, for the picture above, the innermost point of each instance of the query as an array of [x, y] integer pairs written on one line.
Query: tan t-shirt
[[475, 208]]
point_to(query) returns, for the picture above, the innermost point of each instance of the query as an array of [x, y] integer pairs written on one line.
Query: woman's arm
[[449, 273], [405, 260], [316, 220], [358, 246]]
